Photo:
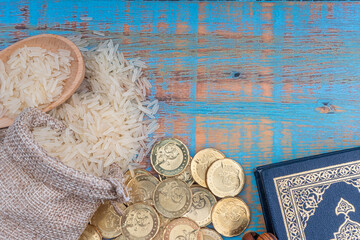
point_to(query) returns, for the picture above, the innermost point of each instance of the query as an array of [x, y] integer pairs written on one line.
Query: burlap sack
[[40, 197]]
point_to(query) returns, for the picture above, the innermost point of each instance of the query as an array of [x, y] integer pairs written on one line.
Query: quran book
[[312, 198]]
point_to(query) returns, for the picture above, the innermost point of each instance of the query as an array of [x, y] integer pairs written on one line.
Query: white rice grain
[[106, 116], [32, 77]]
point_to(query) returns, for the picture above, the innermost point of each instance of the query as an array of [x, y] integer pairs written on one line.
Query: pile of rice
[[109, 118], [32, 77]]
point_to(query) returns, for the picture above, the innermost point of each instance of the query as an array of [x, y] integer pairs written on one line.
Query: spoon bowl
[[52, 43]]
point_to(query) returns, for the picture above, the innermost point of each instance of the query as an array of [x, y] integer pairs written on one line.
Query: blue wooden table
[[263, 82]]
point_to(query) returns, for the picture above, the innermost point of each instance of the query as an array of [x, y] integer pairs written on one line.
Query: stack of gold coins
[[173, 207], [225, 179]]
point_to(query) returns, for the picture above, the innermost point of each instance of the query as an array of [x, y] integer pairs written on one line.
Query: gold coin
[[163, 223], [141, 188], [202, 203], [184, 176], [172, 198], [140, 222], [90, 233], [169, 157], [230, 216], [121, 237], [225, 178], [210, 234], [139, 171], [119, 207], [202, 161], [107, 221], [182, 228]]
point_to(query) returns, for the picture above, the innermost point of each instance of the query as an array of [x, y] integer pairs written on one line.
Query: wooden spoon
[[53, 43]]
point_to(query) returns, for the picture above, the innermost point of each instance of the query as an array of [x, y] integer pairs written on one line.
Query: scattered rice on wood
[[99, 33], [86, 18]]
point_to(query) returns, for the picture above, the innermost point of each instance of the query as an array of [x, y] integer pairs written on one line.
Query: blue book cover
[[312, 198]]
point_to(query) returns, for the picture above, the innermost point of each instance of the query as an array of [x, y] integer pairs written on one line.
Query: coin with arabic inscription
[[182, 228], [172, 198], [141, 188], [225, 178], [107, 221], [163, 223], [138, 171], [140, 222], [202, 161], [90, 233], [230, 216], [184, 176], [210, 234], [169, 157], [202, 203]]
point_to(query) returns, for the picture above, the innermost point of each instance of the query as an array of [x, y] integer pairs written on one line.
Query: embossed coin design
[[184, 176], [172, 198], [90, 233], [230, 216], [201, 162], [140, 222], [210, 234], [107, 221], [141, 188], [169, 157], [182, 229], [163, 222], [138, 171], [225, 178], [202, 203]]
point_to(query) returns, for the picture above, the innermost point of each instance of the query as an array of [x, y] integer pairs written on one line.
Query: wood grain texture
[[262, 82], [51, 43]]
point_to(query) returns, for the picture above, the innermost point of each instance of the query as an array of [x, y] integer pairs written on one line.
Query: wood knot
[[236, 75], [327, 107]]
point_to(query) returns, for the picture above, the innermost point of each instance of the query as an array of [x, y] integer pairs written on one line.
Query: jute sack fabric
[[40, 197]]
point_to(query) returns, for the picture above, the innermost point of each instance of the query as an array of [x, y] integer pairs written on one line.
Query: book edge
[[291, 161], [263, 201]]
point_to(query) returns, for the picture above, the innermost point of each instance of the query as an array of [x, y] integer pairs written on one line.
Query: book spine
[[263, 200]]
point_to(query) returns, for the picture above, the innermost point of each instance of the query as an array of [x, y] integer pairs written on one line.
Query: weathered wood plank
[[245, 78]]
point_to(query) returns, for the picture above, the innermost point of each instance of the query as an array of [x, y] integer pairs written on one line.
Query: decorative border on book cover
[[299, 194]]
